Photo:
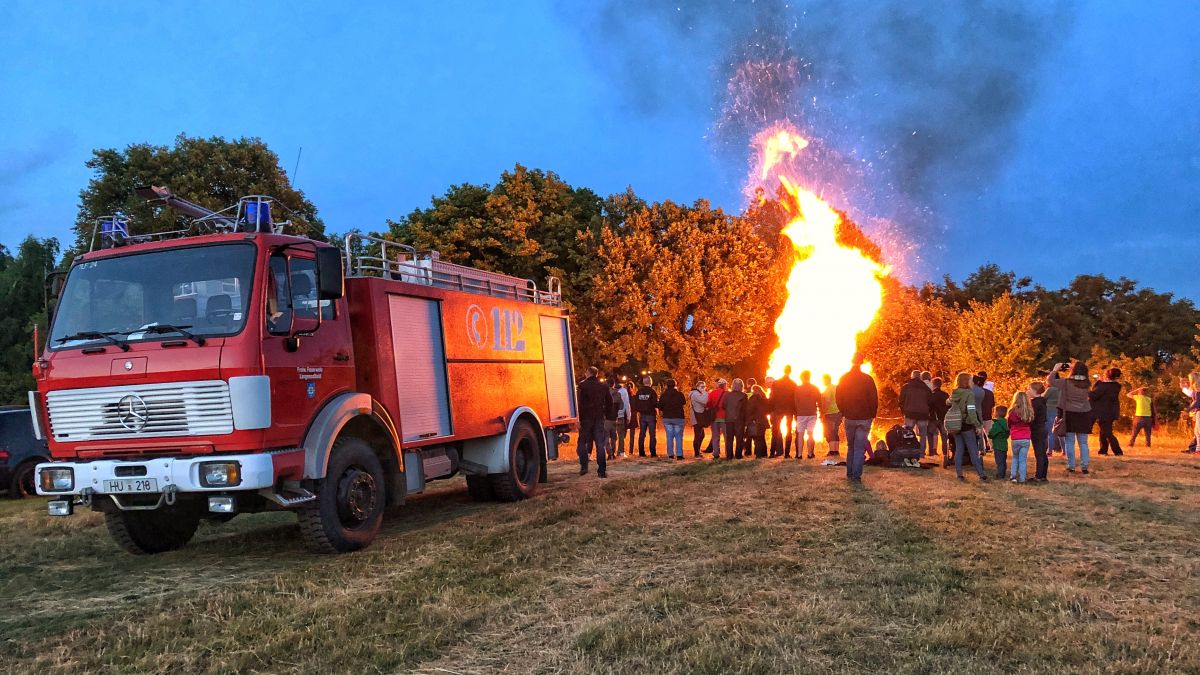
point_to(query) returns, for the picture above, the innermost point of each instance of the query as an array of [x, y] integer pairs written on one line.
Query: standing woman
[[1021, 417], [966, 436], [1076, 407], [1194, 408], [1106, 406], [756, 421], [697, 402]]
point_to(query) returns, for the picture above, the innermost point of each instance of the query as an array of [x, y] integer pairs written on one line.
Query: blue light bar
[[258, 216]]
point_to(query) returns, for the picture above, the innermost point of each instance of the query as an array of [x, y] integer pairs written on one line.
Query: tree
[[212, 172], [23, 300], [985, 285], [677, 289], [1000, 337], [911, 333], [526, 225]]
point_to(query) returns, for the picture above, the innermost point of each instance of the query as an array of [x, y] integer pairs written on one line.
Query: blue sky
[[393, 102]]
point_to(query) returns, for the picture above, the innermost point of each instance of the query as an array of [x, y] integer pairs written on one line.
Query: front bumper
[[171, 474]]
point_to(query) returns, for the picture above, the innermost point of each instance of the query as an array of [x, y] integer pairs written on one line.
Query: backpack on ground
[[900, 437]]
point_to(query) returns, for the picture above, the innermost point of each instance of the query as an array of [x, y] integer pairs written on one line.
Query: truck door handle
[[341, 356]]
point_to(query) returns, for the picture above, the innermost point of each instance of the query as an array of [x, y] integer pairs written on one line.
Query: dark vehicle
[[20, 452]]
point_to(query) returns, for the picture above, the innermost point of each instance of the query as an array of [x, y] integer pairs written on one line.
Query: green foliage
[[22, 306], [212, 172], [910, 334], [1000, 337], [526, 225]]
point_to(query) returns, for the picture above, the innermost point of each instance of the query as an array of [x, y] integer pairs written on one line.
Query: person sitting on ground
[[998, 435], [904, 449], [1143, 414]]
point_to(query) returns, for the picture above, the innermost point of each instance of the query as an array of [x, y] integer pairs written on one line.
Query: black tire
[[480, 488], [22, 483], [348, 510], [524, 465], [150, 532]]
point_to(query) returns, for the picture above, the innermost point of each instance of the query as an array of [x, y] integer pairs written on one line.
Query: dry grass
[[665, 567]]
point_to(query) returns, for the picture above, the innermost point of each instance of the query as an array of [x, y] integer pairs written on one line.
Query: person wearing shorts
[[831, 418]]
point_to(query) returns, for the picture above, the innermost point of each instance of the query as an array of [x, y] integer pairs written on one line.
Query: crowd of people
[[1052, 415]]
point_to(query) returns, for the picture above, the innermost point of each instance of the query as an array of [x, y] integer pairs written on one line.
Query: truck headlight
[[220, 474], [57, 479]]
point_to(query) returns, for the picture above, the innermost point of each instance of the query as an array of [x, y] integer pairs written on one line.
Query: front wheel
[[348, 510], [22, 484], [150, 532], [524, 465]]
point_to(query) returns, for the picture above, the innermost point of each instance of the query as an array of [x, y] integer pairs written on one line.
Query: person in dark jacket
[[916, 400], [858, 400], [671, 403], [985, 402], [1037, 398], [735, 419], [610, 424], [939, 405], [646, 405], [594, 403], [757, 407], [783, 413], [631, 424], [1106, 406]]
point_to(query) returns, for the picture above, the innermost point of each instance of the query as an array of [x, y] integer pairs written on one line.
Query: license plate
[[130, 485]]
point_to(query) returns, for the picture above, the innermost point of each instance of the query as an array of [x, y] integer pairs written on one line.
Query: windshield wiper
[[160, 328], [95, 335]]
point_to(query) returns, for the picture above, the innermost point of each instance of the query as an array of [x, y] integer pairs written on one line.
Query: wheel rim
[[26, 483], [358, 497], [525, 461]]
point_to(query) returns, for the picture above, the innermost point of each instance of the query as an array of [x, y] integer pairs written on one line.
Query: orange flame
[[834, 291]]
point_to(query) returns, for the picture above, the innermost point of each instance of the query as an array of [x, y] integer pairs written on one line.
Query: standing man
[[916, 400], [938, 407], [647, 410], [735, 420], [716, 403], [858, 399], [621, 402], [1053, 398], [783, 413], [831, 416], [594, 403], [808, 398], [672, 404]]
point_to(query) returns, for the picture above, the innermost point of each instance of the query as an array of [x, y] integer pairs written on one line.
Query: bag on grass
[[900, 437]]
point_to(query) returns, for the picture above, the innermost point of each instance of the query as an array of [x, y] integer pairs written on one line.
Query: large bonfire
[[833, 291]]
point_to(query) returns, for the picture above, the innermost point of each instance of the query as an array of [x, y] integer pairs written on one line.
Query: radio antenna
[[296, 169]]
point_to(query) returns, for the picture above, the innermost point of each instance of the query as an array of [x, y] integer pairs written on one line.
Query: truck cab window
[[294, 292]]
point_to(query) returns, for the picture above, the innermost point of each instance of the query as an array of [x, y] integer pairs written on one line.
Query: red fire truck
[[231, 368]]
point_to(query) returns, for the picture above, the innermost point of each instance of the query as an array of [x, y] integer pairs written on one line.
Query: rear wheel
[[480, 488], [524, 465], [348, 510], [149, 532], [22, 485]]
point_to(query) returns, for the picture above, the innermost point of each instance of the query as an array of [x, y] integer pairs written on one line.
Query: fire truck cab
[[230, 368]]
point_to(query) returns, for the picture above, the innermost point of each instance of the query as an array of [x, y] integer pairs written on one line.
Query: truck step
[[295, 497]]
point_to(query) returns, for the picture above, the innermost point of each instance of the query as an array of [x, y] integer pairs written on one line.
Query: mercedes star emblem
[[132, 412]]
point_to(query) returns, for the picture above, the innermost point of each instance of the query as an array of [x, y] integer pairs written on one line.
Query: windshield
[[147, 296]]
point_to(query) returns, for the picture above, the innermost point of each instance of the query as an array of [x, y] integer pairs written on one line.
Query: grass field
[[753, 566]]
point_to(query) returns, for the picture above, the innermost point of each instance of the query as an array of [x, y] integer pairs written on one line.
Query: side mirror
[[329, 274]]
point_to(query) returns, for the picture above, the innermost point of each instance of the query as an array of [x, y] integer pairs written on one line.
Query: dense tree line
[[685, 289]]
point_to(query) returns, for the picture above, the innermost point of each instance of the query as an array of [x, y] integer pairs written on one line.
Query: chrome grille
[[171, 409]]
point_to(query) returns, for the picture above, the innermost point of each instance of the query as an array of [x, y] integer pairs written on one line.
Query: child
[[998, 433], [1041, 431], [1020, 424]]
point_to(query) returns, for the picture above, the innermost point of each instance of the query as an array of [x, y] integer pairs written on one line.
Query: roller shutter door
[[556, 350], [420, 367]]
